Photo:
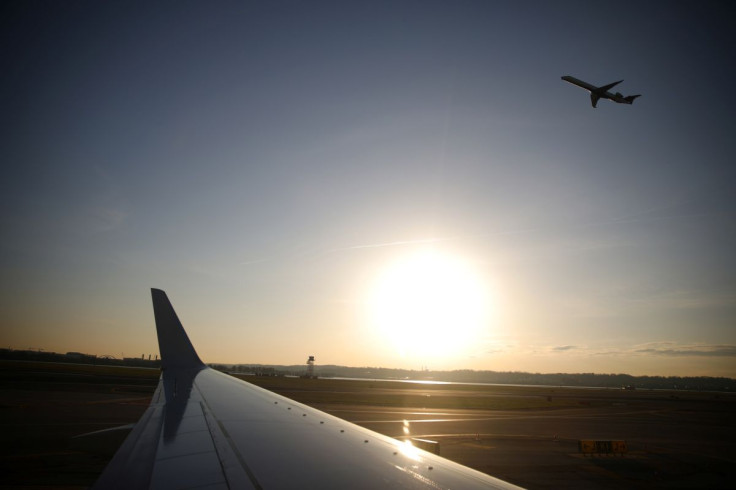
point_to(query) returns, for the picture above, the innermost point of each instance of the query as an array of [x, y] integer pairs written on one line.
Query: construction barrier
[[602, 447]]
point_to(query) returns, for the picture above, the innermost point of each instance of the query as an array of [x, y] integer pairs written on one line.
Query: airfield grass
[[326, 391], [379, 393], [80, 369], [320, 391]]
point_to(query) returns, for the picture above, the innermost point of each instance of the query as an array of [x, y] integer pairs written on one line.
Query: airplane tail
[[176, 350], [630, 98]]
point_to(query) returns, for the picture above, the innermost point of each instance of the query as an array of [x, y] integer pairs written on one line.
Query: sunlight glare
[[408, 450], [430, 304]]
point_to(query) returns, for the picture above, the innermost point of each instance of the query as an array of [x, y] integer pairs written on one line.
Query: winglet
[[173, 344]]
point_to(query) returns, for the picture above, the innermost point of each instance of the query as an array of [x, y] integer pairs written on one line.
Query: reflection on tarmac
[[670, 444]]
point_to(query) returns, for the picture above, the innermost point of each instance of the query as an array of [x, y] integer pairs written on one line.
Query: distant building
[[310, 368]]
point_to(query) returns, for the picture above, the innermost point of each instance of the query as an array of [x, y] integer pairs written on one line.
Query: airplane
[[205, 429], [601, 92]]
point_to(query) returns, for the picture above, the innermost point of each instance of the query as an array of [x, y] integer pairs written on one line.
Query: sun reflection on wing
[[407, 449]]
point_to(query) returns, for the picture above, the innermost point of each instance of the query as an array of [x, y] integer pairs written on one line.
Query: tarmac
[[678, 445], [673, 439]]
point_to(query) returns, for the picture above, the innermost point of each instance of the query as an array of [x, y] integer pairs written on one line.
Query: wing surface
[[579, 83], [608, 87], [207, 430]]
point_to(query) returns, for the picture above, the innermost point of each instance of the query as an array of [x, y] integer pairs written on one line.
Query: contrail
[[639, 217], [395, 244], [255, 261]]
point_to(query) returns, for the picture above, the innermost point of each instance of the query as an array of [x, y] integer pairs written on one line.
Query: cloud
[[692, 299], [254, 262], [106, 219], [564, 348], [661, 349], [669, 350], [394, 244]]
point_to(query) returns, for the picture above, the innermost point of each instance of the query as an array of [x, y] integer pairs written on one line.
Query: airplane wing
[[579, 83], [205, 429], [608, 87]]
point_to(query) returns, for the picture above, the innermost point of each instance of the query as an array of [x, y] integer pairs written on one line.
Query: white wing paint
[[207, 430]]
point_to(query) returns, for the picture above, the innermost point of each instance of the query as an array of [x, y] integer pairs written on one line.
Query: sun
[[430, 304]]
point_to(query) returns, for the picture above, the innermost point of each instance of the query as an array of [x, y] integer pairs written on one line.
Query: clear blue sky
[[267, 163]]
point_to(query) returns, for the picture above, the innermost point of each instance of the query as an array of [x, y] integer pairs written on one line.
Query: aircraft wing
[[579, 83], [608, 87], [205, 429]]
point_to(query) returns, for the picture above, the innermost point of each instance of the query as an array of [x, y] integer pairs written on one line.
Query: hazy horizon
[[404, 183], [318, 368], [318, 365]]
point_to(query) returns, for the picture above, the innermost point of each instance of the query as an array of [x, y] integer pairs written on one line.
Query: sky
[[404, 184]]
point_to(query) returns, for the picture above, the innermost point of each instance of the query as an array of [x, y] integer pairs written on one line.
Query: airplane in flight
[[601, 92], [205, 429]]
